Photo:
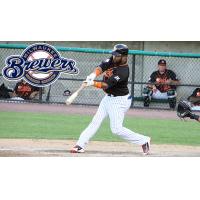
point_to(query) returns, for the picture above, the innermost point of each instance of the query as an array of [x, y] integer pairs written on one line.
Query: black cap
[[120, 49], [162, 62]]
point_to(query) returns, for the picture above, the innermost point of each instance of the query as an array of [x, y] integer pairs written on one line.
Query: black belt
[[112, 95]]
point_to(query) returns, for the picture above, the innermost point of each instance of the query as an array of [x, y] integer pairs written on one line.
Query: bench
[[152, 100]]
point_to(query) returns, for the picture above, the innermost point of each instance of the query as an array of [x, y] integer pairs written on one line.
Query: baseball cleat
[[146, 147], [77, 149]]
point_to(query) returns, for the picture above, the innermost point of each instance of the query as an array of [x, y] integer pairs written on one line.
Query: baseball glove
[[184, 110]]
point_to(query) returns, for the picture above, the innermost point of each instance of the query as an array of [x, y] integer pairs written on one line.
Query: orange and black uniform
[[116, 77], [196, 92], [195, 97], [24, 90], [169, 74], [158, 80]]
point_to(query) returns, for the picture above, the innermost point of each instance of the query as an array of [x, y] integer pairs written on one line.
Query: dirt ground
[[27, 147]]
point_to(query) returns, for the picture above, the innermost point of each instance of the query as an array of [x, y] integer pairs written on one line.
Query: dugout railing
[[141, 63]]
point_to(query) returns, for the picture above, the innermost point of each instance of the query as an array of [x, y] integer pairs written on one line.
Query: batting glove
[[89, 83], [91, 77]]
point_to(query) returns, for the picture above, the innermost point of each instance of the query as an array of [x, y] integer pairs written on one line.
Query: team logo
[[117, 78], [39, 64]]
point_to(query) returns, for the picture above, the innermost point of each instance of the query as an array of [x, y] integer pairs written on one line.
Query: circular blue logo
[[39, 64]]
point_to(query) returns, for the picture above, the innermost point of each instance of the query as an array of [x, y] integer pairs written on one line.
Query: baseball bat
[[74, 95]]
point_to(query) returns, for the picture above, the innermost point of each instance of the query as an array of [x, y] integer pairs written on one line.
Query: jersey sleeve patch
[[107, 60], [117, 78]]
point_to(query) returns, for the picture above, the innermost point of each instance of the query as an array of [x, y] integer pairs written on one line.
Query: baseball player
[[164, 85], [116, 102], [195, 97], [184, 111]]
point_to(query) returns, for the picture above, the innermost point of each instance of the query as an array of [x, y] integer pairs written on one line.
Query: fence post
[[133, 79], [40, 95], [48, 94]]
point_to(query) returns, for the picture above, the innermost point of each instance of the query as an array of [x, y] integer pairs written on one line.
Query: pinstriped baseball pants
[[115, 108]]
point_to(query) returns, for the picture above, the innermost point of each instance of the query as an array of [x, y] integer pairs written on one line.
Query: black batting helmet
[[120, 49]]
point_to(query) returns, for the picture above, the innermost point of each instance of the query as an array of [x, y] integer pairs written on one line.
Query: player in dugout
[[162, 85], [25, 91]]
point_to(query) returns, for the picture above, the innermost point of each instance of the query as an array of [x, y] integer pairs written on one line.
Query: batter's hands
[[91, 77], [84, 85], [88, 83]]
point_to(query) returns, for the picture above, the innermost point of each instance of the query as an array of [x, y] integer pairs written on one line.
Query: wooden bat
[[74, 95]]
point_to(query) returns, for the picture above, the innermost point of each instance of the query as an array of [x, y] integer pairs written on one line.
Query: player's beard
[[121, 61], [124, 60], [116, 60]]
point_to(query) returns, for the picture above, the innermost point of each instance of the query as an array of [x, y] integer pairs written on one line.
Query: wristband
[[97, 84]]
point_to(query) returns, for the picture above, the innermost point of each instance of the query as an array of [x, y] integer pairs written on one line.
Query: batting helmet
[[120, 49]]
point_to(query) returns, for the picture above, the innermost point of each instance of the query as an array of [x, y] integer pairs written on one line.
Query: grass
[[60, 126]]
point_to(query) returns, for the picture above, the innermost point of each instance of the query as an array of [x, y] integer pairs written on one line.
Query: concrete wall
[[190, 47]]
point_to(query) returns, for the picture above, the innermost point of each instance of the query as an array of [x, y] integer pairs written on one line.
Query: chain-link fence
[[141, 64]]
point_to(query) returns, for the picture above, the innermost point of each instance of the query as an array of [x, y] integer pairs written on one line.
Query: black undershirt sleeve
[[106, 64]]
